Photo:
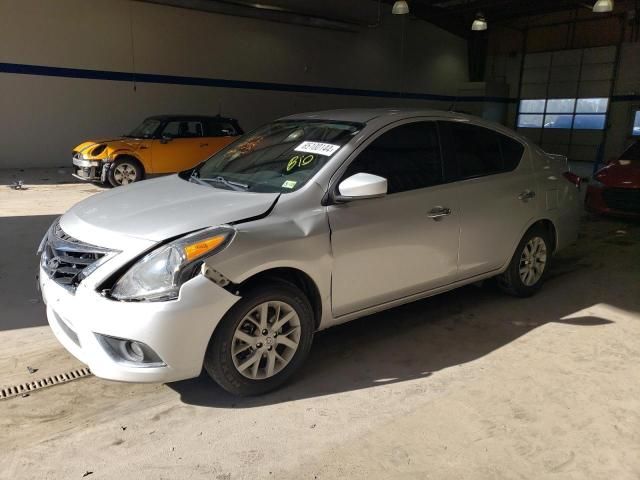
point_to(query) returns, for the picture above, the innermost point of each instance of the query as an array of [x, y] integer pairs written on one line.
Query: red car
[[615, 188]]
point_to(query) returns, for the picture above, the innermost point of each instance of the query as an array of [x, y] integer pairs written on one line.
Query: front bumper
[[178, 331], [613, 201], [89, 170]]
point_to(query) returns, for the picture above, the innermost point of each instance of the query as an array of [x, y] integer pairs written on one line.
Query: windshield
[[278, 157], [145, 130]]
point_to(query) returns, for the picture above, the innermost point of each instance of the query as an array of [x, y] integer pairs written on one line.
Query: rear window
[[480, 151], [215, 128], [512, 151], [477, 150]]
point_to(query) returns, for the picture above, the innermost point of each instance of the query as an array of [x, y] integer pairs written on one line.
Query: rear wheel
[[529, 264], [124, 171], [262, 341]]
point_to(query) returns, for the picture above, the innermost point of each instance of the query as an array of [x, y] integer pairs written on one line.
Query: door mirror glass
[[362, 185]]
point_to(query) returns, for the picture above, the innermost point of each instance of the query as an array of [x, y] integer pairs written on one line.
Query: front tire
[[529, 265], [125, 170], [262, 341]]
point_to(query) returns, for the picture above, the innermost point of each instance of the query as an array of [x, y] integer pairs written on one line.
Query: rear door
[[405, 242], [497, 194]]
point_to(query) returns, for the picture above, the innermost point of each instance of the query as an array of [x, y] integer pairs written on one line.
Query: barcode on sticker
[[326, 149]]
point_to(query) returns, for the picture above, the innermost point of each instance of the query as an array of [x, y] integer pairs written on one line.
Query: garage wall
[[45, 115]]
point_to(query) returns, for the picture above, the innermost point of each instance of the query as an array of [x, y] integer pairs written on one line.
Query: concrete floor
[[469, 384]]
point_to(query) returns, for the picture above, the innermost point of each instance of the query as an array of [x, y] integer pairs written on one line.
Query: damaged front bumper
[[90, 170], [176, 332]]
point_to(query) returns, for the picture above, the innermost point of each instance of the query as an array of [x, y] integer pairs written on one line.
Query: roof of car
[[363, 115], [191, 117]]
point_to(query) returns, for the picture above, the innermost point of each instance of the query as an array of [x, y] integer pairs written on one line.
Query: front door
[[181, 146], [405, 242]]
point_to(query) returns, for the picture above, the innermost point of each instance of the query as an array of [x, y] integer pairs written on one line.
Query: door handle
[[527, 195], [143, 147], [204, 144], [437, 213]]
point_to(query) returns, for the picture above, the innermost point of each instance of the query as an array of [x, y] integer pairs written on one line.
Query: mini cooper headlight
[[159, 275], [98, 150]]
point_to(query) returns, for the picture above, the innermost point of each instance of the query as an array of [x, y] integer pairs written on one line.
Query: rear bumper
[[613, 201], [178, 331]]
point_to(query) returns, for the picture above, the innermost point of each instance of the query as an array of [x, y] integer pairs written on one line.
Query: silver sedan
[[307, 222]]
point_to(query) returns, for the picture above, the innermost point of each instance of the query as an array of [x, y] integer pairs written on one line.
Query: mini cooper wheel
[[262, 340], [124, 171], [529, 264]]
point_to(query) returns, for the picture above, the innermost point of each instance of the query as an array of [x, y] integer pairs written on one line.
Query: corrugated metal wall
[[578, 73]]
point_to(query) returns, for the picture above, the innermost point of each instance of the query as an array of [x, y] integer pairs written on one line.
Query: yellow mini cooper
[[159, 145]]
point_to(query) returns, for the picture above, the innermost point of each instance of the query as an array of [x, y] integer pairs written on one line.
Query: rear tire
[[125, 170], [262, 341], [529, 265]]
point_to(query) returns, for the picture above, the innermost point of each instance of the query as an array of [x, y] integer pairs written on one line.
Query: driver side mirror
[[166, 139], [361, 186]]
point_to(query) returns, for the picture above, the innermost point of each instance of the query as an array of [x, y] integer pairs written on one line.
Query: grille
[[622, 199], [68, 260]]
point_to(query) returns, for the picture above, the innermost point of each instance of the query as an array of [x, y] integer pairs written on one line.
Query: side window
[[512, 151], [214, 128], [477, 150], [408, 156], [182, 129]]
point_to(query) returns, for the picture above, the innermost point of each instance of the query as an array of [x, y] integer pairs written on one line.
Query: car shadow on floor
[[403, 344], [21, 302]]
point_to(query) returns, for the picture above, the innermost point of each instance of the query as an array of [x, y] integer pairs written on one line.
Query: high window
[[636, 125], [564, 113]]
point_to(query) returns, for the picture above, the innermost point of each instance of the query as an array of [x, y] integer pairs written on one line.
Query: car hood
[[113, 143], [159, 209], [620, 174]]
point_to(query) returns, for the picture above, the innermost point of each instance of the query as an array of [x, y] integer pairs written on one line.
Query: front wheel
[[529, 264], [262, 341], [124, 171]]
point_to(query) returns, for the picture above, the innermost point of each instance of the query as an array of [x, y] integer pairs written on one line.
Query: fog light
[[134, 351], [130, 352]]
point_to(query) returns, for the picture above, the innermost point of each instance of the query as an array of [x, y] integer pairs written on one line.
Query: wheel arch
[[132, 157], [291, 275], [545, 223]]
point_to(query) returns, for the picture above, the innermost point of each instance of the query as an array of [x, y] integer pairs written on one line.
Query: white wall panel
[[44, 117]]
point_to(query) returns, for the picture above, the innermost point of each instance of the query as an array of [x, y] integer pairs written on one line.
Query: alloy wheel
[[533, 261], [124, 174], [266, 340]]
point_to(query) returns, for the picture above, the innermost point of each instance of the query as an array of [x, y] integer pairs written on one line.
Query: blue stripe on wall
[[64, 72], [41, 70]]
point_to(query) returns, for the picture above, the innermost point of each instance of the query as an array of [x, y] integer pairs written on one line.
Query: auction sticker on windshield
[[326, 149]]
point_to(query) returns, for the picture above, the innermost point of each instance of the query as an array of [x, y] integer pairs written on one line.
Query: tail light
[[573, 178]]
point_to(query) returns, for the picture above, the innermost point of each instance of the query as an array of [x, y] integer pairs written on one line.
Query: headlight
[[159, 275], [98, 150], [43, 242]]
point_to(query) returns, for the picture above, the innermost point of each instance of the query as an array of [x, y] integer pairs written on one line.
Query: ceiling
[[455, 16]]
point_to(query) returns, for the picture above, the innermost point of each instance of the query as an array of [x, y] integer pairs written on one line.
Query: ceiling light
[[603, 6], [400, 8], [479, 24]]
